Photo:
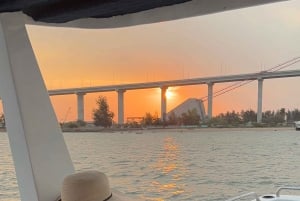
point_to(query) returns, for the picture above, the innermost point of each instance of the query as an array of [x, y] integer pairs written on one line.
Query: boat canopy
[[62, 11]]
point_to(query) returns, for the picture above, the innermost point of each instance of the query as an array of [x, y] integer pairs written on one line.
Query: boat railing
[[245, 196], [285, 188]]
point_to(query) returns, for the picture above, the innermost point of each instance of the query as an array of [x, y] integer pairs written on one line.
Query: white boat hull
[[269, 197], [297, 125], [281, 198]]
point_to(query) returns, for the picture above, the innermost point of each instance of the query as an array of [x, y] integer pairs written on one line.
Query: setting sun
[[170, 94]]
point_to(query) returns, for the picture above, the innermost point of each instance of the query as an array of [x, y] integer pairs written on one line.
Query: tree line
[[269, 118], [279, 117], [103, 116], [191, 117], [2, 121]]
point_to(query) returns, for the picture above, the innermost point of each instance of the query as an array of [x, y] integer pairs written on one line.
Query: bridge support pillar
[[163, 104], [259, 100], [80, 106], [121, 106], [210, 100]]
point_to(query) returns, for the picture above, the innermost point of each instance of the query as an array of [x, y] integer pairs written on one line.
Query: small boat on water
[[269, 197], [297, 125]]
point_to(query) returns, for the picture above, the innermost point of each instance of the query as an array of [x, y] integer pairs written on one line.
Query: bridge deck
[[183, 82]]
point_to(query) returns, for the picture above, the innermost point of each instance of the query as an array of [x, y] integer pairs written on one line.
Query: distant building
[[190, 104]]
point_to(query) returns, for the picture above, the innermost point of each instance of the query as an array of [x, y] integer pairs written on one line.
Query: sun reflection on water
[[170, 170]]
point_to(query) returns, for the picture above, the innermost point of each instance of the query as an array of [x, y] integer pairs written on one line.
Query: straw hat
[[89, 186]]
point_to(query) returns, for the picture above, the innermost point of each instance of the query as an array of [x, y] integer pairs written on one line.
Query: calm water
[[179, 165]]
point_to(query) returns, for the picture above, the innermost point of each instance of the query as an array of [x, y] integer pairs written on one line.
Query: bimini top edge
[[118, 13]]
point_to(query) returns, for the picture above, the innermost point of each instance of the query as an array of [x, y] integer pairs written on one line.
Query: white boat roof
[[118, 13]]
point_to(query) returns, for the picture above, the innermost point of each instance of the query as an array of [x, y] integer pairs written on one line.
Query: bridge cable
[[242, 83]]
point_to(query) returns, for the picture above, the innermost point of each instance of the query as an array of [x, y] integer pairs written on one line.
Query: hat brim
[[118, 196]]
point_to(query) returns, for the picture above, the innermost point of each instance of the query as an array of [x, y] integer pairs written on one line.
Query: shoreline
[[166, 129], [176, 129]]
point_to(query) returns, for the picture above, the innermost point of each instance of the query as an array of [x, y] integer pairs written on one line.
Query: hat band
[[108, 197], [59, 199]]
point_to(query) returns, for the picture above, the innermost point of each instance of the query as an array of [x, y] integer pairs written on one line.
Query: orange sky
[[241, 41]]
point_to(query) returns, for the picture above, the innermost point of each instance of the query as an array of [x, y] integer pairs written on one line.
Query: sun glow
[[170, 94]]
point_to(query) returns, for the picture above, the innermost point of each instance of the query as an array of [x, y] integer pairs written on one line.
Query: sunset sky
[[235, 42]]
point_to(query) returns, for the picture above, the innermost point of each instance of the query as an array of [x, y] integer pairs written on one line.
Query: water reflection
[[8, 182], [206, 166], [170, 170]]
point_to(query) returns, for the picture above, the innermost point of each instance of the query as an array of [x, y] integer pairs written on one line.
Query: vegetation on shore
[[103, 117], [2, 120], [245, 118], [270, 118]]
